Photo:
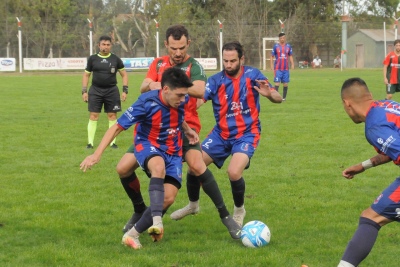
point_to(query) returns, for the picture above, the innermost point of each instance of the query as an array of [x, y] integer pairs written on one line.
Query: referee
[[104, 90]]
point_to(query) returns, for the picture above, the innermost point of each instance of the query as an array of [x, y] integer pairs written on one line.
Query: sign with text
[[7, 64], [137, 62], [208, 63], [55, 63]]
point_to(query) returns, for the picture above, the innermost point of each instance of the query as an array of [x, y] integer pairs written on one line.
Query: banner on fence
[[208, 63], [7, 64], [137, 63], [55, 63]]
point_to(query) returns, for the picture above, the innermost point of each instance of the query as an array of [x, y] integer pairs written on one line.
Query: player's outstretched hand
[[350, 172], [192, 136], [88, 162], [264, 88], [85, 97]]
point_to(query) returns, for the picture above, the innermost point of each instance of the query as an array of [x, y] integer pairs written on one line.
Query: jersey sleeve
[[133, 114], [386, 60], [386, 140], [120, 64], [89, 65], [152, 72], [197, 72], [211, 88], [273, 53]]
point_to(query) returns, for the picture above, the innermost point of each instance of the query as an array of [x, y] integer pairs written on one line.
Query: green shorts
[[393, 88]]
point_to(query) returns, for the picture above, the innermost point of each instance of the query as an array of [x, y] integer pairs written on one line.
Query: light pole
[[90, 37], [20, 43], [220, 44], [157, 39]]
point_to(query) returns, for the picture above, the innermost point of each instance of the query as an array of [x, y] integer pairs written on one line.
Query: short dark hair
[[234, 46], [281, 34], [353, 82], [104, 38], [176, 31], [175, 78], [396, 41]]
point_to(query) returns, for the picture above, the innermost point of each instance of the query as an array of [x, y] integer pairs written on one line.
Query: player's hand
[[264, 88], [123, 96], [350, 172], [88, 162], [192, 136], [85, 97]]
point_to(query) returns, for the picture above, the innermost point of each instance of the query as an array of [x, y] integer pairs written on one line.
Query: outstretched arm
[[351, 171], [266, 91], [90, 160]]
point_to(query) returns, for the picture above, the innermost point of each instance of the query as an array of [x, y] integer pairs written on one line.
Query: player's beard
[[233, 72]]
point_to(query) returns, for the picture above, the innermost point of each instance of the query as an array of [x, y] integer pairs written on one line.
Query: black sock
[[362, 241], [238, 189], [285, 89], [193, 187], [277, 88], [131, 185], [156, 192], [145, 221], [211, 188]]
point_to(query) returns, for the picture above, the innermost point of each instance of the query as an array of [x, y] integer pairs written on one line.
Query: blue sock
[[156, 192], [362, 242]]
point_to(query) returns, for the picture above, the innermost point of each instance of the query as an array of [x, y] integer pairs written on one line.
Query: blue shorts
[[388, 202], [219, 149], [173, 164], [281, 76]]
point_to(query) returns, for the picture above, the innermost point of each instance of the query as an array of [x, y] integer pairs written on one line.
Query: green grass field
[[52, 214]]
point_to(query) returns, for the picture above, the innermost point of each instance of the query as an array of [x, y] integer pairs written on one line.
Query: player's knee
[[234, 174], [197, 168], [168, 201]]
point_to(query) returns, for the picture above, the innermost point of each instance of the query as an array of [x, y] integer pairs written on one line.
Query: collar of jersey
[[98, 54]]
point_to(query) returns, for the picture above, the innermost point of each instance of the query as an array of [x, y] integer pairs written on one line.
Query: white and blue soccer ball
[[255, 234]]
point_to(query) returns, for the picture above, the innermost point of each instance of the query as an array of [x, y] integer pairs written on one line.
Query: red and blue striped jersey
[[382, 128], [393, 65], [281, 53], [156, 122], [235, 102]]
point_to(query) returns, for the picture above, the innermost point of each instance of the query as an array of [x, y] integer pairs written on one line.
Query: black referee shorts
[[109, 97]]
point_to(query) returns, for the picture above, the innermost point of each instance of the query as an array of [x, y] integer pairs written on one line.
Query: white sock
[[193, 204], [345, 264]]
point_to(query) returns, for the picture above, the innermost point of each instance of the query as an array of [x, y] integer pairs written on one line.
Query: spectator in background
[[391, 70], [316, 62], [337, 62]]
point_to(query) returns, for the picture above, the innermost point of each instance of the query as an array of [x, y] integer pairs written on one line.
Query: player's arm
[[271, 61], [198, 88], [108, 137], [190, 133], [291, 62], [148, 84], [124, 76], [385, 79], [379, 159], [265, 90], [85, 82]]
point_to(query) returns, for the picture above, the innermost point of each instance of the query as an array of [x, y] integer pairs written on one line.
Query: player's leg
[[390, 90], [95, 104], [126, 171], [384, 210], [238, 163], [277, 79], [285, 81], [112, 105]]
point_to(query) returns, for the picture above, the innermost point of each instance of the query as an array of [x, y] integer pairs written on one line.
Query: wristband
[[367, 164], [125, 89], [84, 90]]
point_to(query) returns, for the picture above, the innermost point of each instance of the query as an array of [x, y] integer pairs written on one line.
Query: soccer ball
[[255, 234]]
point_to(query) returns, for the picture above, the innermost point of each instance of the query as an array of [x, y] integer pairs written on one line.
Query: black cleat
[[114, 146], [233, 228], [89, 146]]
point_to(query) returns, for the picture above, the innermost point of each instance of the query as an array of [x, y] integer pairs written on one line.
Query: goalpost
[[267, 46]]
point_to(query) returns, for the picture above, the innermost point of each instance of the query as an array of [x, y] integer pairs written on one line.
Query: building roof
[[378, 35]]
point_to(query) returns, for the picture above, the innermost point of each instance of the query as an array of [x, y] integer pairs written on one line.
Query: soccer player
[[177, 43], [282, 53], [382, 131], [235, 94], [159, 116], [391, 73], [104, 90]]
